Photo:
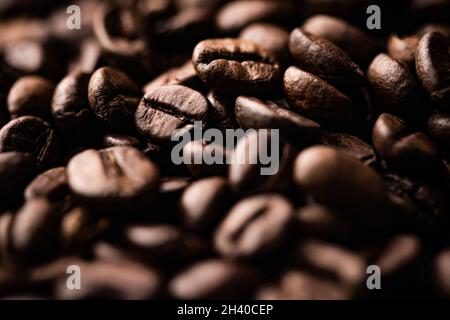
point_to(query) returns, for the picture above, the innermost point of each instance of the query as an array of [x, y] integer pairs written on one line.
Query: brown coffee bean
[[52, 184], [16, 171], [403, 49]]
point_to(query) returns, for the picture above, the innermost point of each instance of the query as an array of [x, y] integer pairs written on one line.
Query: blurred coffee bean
[[236, 66], [314, 97], [432, 61], [255, 228], [113, 140], [204, 202], [236, 15], [339, 181], [51, 184], [214, 279], [441, 273], [323, 59], [165, 109], [395, 87], [204, 160], [31, 135], [254, 113], [114, 98], [16, 171], [30, 96], [434, 27], [114, 178], [403, 49], [270, 37], [359, 45], [222, 110]]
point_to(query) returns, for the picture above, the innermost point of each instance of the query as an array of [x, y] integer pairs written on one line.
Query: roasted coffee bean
[[113, 140], [5, 238], [236, 15], [222, 110], [359, 45], [395, 87], [339, 181], [35, 230], [315, 98], [441, 272], [411, 152], [260, 162], [70, 105], [352, 145], [254, 113], [236, 66], [205, 160], [16, 171], [31, 135], [214, 279], [323, 59], [299, 285], [52, 184], [403, 49], [114, 98], [113, 178], [30, 96], [204, 202], [438, 127], [434, 27], [270, 37], [255, 227], [117, 281], [184, 75], [432, 67], [167, 108]]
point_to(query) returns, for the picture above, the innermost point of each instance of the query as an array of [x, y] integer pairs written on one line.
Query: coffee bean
[[236, 66], [114, 98], [236, 15], [222, 110], [395, 86], [214, 279], [51, 184], [432, 67], [31, 135], [205, 160], [255, 227], [441, 271], [323, 59], [254, 113], [359, 45], [113, 178], [168, 108], [314, 97], [113, 140], [16, 170], [403, 49], [270, 37], [204, 202], [70, 105], [30, 96], [438, 128], [342, 183], [123, 281]]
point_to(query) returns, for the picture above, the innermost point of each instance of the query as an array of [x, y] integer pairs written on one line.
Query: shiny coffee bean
[[114, 178], [323, 59], [254, 113], [438, 127], [204, 160], [270, 37], [16, 171], [165, 109], [403, 49], [51, 184], [204, 203], [359, 45], [107, 280], [70, 105], [30, 96], [395, 87], [114, 98], [214, 279], [315, 98], [236, 66], [236, 15], [113, 140], [31, 135], [255, 228], [432, 67], [339, 181]]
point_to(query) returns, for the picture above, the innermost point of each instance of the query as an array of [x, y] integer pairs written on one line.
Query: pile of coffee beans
[[93, 205]]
